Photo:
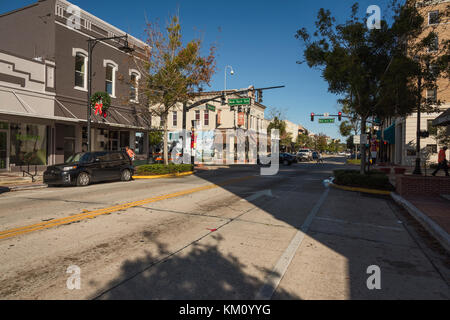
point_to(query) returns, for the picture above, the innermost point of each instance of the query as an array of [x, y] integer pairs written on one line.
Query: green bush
[[373, 180], [155, 169], [354, 161]]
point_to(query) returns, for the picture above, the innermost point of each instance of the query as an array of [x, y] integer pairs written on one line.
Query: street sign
[[210, 107], [356, 140], [326, 120], [363, 139], [239, 102]]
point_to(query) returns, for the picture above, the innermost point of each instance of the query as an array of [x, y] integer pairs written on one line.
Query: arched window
[[81, 65], [134, 85], [110, 77]]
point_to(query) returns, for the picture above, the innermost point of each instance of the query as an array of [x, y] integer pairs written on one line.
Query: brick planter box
[[399, 170], [423, 186], [385, 170]]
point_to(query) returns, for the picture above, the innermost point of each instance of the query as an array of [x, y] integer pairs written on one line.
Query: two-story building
[[44, 83]]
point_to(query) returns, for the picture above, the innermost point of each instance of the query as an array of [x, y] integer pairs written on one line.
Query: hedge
[[373, 180], [156, 169], [354, 161]]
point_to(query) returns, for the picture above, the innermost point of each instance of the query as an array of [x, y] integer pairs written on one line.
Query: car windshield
[[82, 157]]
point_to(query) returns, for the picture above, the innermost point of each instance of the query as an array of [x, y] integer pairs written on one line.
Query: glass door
[[3, 149]]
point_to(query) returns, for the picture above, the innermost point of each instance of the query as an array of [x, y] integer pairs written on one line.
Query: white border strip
[[273, 279]]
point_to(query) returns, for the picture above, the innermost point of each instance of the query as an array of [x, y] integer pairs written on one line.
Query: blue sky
[[255, 37]]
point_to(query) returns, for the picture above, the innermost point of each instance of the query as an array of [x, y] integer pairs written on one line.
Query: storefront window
[[28, 144], [139, 147]]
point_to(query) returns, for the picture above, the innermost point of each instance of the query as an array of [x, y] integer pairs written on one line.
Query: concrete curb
[[160, 176], [364, 190], [432, 227], [5, 189]]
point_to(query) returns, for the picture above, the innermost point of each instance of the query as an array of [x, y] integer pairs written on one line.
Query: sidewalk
[[15, 181]]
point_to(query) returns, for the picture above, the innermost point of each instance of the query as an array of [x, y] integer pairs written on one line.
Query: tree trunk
[[166, 137], [363, 147]]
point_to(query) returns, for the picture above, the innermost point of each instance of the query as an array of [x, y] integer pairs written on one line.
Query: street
[[228, 233]]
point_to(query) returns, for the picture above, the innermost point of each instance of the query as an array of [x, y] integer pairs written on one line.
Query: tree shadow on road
[[198, 271]]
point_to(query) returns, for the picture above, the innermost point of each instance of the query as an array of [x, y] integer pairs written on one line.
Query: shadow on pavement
[[200, 273]]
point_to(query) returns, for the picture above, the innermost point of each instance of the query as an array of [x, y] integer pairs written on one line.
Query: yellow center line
[[92, 214]]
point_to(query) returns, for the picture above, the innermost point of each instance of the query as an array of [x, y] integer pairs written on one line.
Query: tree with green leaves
[[280, 125], [369, 68], [174, 71]]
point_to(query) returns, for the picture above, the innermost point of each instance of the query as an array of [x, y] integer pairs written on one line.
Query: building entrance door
[[4, 150]]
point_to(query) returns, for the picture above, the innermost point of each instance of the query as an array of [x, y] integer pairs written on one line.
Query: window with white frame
[[174, 119], [197, 117], [110, 77], [433, 17], [134, 85], [206, 118], [434, 45], [109, 81], [80, 71], [432, 95]]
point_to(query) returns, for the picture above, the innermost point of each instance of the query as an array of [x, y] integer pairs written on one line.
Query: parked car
[[83, 168], [304, 155], [287, 159], [284, 158]]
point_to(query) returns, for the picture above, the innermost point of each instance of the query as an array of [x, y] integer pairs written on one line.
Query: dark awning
[[389, 134], [443, 119]]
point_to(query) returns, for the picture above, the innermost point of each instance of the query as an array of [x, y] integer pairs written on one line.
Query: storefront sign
[[241, 118]]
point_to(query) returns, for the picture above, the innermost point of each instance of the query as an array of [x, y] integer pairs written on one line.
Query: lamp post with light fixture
[[91, 45]]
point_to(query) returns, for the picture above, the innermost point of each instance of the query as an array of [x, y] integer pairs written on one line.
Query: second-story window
[[197, 117], [80, 71], [434, 46], [134, 87], [206, 118], [433, 17], [432, 95], [174, 119], [109, 81]]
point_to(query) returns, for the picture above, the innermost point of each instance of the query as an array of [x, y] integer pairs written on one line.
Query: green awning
[[389, 134]]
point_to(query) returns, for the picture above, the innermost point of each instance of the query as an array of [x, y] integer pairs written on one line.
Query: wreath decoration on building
[[100, 102]]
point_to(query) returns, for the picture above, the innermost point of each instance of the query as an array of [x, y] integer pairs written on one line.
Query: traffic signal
[[340, 116], [312, 116], [223, 100]]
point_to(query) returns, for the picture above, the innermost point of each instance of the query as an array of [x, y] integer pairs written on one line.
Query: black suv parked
[[83, 168]]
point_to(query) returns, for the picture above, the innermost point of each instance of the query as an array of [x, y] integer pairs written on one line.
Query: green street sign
[[239, 102], [326, 120], [210, 107]]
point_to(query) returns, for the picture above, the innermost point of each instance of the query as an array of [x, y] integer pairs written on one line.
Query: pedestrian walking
[[130, 153], [442, 162]]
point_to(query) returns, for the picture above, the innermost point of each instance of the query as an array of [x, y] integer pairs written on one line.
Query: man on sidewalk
[[442, 162], [130, 153]]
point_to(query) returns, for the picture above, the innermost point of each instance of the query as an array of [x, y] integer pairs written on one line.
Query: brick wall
[[412, 185]]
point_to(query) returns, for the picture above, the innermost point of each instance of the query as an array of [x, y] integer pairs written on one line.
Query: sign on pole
[[356, 140], [326, 120], [239, 102], [210, 107]]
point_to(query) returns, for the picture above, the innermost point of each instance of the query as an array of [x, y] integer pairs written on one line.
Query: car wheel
[[126, 175], [83, 179]]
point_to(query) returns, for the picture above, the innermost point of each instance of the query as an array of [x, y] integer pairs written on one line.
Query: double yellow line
[[92, 214]]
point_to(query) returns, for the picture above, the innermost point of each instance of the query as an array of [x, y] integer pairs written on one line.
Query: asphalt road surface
[[219, 234]]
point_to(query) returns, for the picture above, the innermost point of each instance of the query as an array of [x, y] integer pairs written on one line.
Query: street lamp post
[[91, 45], [417, 169], [231, 72]]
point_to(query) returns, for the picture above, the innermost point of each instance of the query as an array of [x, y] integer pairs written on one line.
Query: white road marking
[[258, 195], [273, 279]]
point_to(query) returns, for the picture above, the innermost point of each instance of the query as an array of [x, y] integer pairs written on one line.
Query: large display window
[[28, 144]]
